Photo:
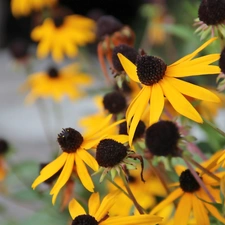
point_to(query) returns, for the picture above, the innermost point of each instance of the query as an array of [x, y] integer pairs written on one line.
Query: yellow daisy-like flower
[[159, 80], [56, 84], [98, 213], [74, 147], [24, 7], [63, 37], [193, 198]]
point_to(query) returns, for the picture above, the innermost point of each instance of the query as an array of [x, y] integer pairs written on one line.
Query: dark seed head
[[53, 72], [109, 153], [84, 220], [127, 51], [212, 12], [188, 182], [4, 146], [69, 140], [139, 132], [162, 138], [114, 102], [58, 21], [150, 69], [222, 61], [107, 25], [50, 180], [19, 48]]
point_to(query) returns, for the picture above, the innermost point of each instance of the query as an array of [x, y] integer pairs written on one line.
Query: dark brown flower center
[[150, 69], [58, 21], [53, 72], [84, 220], [212, 12], [187, 182], [70, 140], [4, 146], [222, 61], [161, 138], [110, 153], [114, 102]]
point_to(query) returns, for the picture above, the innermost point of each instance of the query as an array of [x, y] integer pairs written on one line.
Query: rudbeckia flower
[[98, 213], [4, 148], [159, 80], [193, 198], [24, 7], [56, 84], [74, 147], [63, 36]]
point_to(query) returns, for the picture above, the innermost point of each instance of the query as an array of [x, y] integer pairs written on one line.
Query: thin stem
[[199, 180], [132, 197], [214, 127], [203, 169]]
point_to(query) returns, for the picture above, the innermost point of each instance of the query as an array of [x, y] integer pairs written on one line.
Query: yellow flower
[[63, 37], [144, 192], [56, 84], [98, 213], [24, 7], [193, 198], [159, 80], [74, 147]]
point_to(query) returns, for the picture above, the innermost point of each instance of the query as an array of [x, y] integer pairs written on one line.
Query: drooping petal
[[88, 159], [200, 212], [49, 170], [64, 176], [106, 204], [76, 209], [179, 102], [170, 198], [156, 104], [183, 210], [193, 54], [83, 174], [120, 138], [142, 103], [129, 67], [193, 90], [133, 220], [93, 204]]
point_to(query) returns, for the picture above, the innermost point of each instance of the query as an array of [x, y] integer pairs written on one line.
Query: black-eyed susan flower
[[56, 84], [25, 7], [98, 213], [159, 80], [211, 18], [75, 153], [145, 193], [193, 198], [4, 148], [63, 36]]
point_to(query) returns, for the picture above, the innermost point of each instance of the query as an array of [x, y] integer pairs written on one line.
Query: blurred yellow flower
[[25, 7], [62, 36], [56, 84]]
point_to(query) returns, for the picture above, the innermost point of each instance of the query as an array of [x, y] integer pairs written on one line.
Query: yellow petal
[[83, 174], [129, 67], [193, 54], [64, 176], [193, 90], [200, 212], [142, 103], [120, 138], [170, 198], [156, 104], [49, 170], [105, 206], [183, 210], [133, 220], [93, 204], [88, 159], [179, 102], [196, 70], [76, 209]]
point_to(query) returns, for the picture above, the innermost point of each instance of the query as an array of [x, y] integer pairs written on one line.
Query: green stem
[[214, 127], [132, 197]]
